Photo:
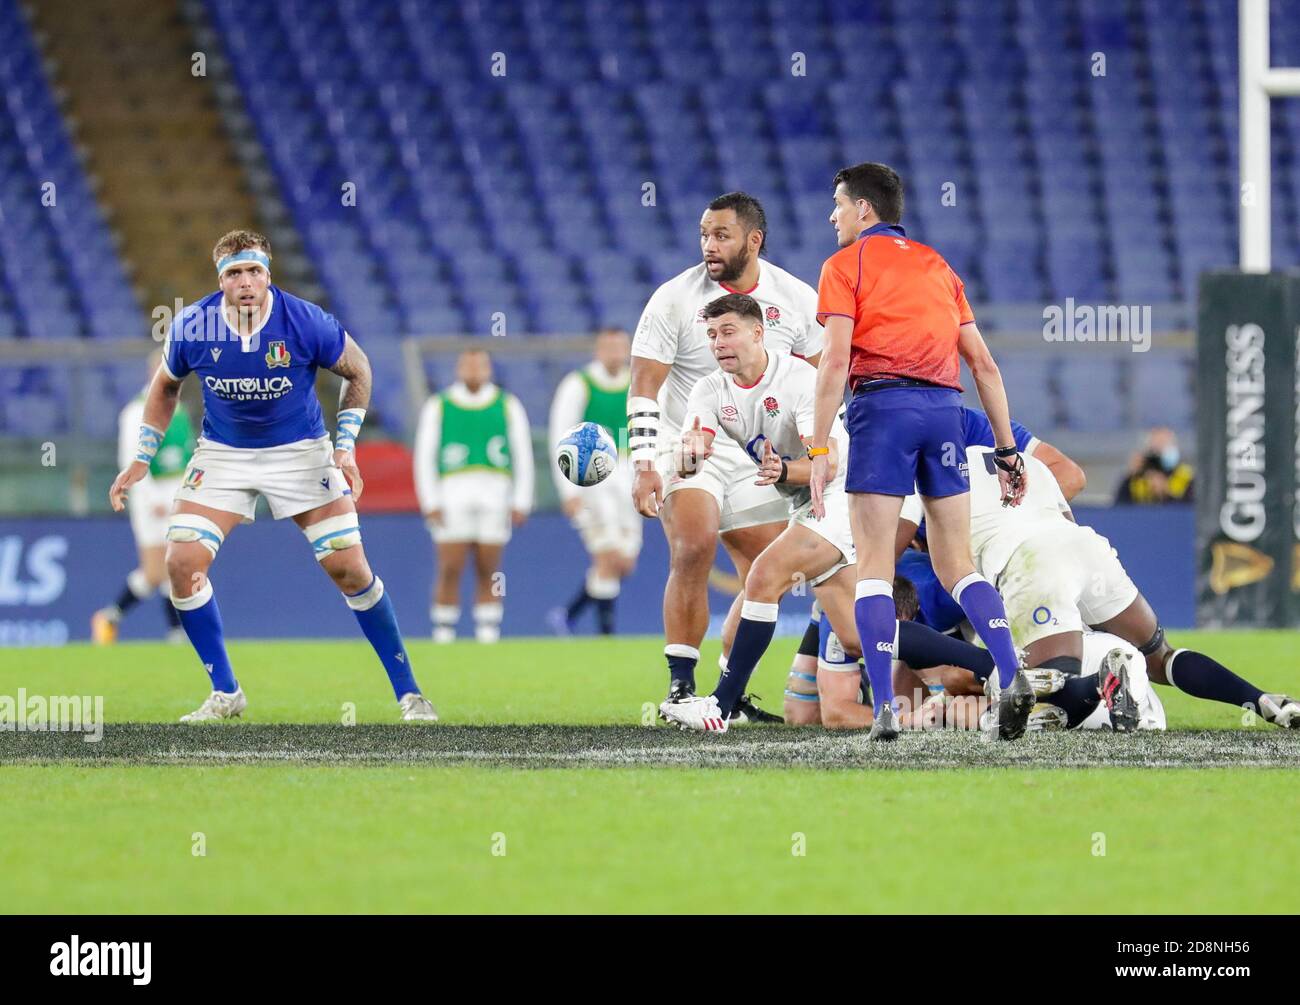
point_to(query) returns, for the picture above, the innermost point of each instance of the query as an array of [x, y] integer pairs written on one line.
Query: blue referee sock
[[987, 615], [201, 619], [753, 636], [877, 623], [378, 620], [920, 647]]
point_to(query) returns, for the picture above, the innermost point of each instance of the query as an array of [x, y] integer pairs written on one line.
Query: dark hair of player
[[906, 602], [878, 184], [240, 240], [748, 210], [733, 303]]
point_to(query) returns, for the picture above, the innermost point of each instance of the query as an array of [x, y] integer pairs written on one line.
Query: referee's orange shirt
[[906, 304]]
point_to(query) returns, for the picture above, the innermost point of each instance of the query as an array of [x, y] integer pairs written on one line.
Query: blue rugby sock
[[877, 623], [681, 662], [920, 646], [201, 619], [1202, 677], [984, 610], [753, 636], [374, 611]]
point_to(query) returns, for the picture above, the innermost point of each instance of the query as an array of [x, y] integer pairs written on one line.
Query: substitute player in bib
[[255, 350], [897, 325], [603, 515], [670, 354], [150, 506], [474, 478]]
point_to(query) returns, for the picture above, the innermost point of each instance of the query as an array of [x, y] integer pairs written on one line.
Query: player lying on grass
[[763, 401], [801, 692], [256, 350], [960, 701], [1057, 577]]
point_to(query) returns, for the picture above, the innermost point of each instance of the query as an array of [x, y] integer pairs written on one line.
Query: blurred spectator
[[1157, 473]]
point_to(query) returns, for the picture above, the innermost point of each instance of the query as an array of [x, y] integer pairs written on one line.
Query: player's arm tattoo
[[354, 368]]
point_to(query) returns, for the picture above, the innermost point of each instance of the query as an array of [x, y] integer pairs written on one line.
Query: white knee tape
[[184, 527], [368, 597], [333, 534], [196, 599]]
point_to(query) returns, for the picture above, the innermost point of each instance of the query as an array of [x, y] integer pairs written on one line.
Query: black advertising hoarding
[[1247, 390]]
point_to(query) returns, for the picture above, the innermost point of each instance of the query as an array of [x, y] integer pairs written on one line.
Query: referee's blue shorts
[[905, 437]]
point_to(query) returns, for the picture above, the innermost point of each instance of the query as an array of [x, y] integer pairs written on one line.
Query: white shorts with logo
[[608, 521], [475, 508], [149, 502], [1063, 580], [1151, 713], [293, 478], [729, 476], [834, 527]]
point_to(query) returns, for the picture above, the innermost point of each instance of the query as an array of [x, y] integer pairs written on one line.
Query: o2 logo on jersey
[[755, 448]]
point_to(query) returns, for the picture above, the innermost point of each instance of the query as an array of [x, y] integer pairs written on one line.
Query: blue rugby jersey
[[979, 431], [260, 391]]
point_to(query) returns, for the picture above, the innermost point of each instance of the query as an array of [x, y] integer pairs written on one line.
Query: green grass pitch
[[542, 790]]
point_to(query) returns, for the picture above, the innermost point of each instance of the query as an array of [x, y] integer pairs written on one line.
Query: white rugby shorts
[[293, 478]]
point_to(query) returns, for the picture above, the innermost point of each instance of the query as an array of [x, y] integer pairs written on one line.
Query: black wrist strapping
[[785, 473]]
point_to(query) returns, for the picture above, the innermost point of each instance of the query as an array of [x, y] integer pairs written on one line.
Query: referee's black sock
[[605, 615]]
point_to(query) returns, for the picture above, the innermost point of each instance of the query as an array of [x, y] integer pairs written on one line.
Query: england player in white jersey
[[603, 515], [1058, 579], [255, 350], [670, 353], [762, 402]]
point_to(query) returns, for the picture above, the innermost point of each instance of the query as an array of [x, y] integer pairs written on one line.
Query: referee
[[896, 321]]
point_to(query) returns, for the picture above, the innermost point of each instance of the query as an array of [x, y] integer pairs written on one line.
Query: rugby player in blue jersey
[[255, 350]]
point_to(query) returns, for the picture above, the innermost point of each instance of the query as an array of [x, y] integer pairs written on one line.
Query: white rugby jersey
[[779, 409], [996, 531], [671, 330]]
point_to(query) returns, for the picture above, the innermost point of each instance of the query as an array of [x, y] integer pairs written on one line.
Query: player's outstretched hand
[[346, 461], [769, 470], [127, 477], [648, 492], [518, 516], [1013, 479], [817, 479], [695, 449]]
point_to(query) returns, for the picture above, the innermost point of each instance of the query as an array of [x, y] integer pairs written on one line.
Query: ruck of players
[[818, 434]]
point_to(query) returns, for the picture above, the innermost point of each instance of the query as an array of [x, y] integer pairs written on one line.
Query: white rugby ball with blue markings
[[586, 454]]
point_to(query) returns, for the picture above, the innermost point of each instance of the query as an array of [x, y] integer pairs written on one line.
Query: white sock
[[487, 621], [445, 618]]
